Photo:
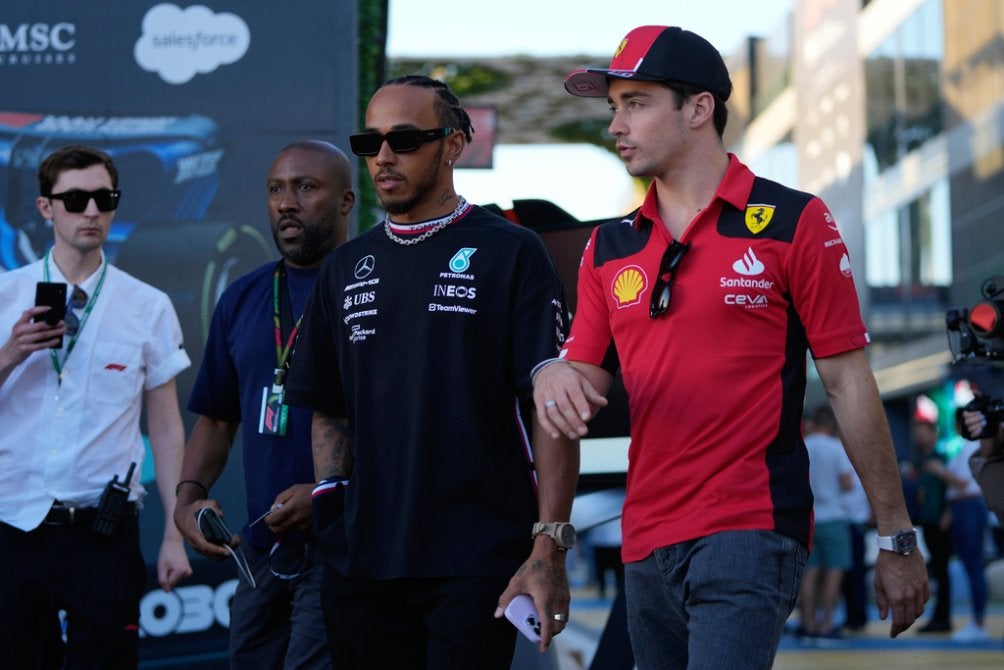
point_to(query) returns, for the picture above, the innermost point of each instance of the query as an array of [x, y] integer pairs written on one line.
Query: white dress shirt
[[66, 441]]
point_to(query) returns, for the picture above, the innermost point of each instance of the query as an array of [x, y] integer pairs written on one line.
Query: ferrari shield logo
[[758, 216]]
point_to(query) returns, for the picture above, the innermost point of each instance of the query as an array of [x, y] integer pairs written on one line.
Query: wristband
[[328, 485], [327, 503], [205, 491], [543, 364]]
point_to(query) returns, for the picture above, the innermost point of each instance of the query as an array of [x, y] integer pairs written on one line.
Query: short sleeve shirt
[[427, 350], [716, 385], [237, 367], [66, 440]]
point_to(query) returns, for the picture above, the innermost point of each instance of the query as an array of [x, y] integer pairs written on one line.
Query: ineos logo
[[365, 266], [451, 291]]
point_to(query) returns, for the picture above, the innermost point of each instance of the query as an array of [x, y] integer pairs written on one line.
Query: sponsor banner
[[193, 102]]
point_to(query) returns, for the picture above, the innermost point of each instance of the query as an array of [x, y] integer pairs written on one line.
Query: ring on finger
[[561, 617], [550, 403]]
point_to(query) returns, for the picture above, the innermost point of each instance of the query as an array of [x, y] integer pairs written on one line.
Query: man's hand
[[172, 562], [184, 519], [544, 578], [975, 421], [291, 509], [566, 399], [27, 337], [901, 586]]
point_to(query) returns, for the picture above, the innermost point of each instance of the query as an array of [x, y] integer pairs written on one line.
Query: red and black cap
[[657, 53]]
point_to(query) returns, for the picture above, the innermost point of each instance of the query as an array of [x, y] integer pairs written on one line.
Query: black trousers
[[939, 545], [440, 624], [97, 581]]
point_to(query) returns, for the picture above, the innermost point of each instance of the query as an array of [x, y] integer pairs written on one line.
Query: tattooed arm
[[333, 463], [331, 445]]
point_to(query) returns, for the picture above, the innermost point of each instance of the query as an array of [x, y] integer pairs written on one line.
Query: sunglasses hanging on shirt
[[662, 290], [78, 300]]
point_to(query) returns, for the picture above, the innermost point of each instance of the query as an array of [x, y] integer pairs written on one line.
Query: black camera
[[978, 333]]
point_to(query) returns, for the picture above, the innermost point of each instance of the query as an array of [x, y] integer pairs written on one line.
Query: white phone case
[[521, 612]]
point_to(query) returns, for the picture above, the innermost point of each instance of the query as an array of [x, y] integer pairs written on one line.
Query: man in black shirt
[[415, 355]]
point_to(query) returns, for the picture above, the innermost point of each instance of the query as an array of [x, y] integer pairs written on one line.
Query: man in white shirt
[[830, 475], [70, 412]]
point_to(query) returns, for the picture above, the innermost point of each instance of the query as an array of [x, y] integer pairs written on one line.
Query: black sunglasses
[[399, 141], [661, 292], [76, 201]]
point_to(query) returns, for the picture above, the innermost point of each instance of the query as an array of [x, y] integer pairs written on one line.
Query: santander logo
[[749, 265]]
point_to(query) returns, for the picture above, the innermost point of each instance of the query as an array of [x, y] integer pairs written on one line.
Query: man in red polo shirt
[[708, 298]]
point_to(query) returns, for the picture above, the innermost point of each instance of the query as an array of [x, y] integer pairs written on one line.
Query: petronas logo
[[461, 260]]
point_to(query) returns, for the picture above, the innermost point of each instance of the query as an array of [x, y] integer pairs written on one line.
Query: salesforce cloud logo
[[180, 43]]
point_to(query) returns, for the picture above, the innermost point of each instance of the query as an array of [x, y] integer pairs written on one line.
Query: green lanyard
[[59, 366], [281, 353]]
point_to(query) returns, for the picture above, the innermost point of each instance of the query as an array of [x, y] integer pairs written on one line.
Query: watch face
[[567, 533], [905, 542]]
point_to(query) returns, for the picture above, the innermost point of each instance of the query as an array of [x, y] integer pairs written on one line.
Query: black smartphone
[[53, 295], [212, 526]]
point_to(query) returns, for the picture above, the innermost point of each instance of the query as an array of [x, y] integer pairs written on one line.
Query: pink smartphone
[[521, 612]]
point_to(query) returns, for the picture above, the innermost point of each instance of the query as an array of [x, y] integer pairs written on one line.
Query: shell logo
[[628, 286]]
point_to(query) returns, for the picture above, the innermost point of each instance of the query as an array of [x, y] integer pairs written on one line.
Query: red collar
[[734, 189]]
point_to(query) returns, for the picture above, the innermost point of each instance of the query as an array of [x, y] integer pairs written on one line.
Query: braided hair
[[447, 106]]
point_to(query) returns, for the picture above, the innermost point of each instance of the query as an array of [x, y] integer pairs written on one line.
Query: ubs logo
[[363, 298]]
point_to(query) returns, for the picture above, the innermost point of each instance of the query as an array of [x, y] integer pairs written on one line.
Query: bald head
[[309, 197], [335, 158]]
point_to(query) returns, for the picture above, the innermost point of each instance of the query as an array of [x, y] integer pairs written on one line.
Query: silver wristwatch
[[561, 532]]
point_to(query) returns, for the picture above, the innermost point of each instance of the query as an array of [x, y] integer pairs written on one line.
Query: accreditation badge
[[274, 414]]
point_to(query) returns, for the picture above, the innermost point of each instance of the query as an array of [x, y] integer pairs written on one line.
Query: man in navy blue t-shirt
[[241, 381]]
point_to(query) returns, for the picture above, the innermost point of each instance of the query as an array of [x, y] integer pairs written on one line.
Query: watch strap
[[889, 543], [553, 529]]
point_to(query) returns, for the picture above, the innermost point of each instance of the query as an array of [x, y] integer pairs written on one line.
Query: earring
[[449, 163]]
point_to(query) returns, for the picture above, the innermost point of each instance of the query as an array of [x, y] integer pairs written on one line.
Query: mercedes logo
[[365, 266]]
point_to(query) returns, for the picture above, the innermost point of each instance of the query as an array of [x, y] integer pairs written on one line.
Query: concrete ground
[[869, 649]]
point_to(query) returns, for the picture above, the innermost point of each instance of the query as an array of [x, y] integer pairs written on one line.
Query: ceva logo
[[178, 43]]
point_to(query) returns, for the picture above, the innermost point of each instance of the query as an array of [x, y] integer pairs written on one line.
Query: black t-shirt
[[427, 350]]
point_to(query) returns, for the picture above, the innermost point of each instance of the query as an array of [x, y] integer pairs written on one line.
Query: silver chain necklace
[[442, 223]]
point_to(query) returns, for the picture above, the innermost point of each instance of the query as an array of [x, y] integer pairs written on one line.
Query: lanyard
[[281, 353], [56, 363]]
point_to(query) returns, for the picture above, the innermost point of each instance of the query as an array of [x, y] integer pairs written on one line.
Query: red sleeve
[[590, 337], [822, 285]]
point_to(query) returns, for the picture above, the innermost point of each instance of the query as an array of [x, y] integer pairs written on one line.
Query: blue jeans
[[279, 624], [720, 601], [969, 522]]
